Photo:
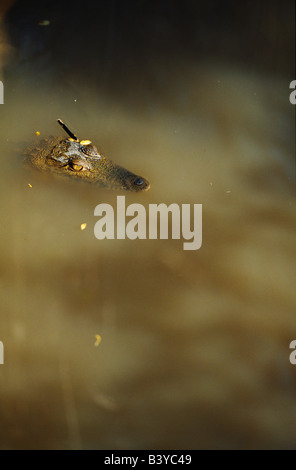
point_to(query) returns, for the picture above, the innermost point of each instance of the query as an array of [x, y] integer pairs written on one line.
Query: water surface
[[195, 344]]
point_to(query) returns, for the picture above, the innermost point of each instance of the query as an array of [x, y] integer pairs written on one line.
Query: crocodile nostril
[[139, 181]]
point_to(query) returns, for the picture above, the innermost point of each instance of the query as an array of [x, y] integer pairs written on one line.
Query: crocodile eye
[[78, 164], [76, 167], [90, 151]]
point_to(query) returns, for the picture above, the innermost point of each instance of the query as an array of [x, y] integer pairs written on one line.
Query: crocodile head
[[81, 159]]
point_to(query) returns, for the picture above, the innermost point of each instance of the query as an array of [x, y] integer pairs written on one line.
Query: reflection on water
[[195, 345]]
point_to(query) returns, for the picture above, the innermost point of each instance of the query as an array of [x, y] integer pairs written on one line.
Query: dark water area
[[194, 350]]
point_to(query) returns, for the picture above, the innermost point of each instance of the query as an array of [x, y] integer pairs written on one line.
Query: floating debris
[[37, 133], [30, 186], [83, 226], [105, 402], [98, 340], [44, 23]]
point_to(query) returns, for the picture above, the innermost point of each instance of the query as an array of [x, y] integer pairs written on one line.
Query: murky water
[[195, 344]]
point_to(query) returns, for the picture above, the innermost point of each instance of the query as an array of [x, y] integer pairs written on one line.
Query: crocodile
[[81, 159]]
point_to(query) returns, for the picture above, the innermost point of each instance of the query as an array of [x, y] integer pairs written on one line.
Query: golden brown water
[[195, 345]]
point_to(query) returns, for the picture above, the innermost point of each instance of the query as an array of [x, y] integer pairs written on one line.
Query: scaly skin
[[80, 159]]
